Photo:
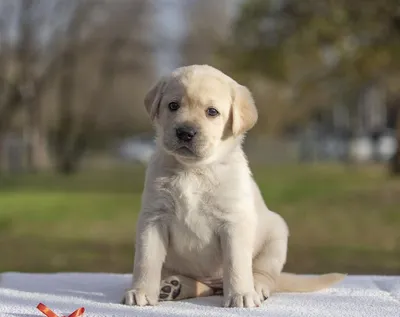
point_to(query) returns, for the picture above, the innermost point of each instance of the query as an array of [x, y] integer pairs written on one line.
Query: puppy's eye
[[212, 112], [173, 106]]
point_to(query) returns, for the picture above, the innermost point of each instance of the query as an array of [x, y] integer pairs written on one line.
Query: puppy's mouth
[[185, 151]]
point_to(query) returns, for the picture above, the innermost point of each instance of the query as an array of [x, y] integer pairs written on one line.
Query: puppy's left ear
[[244, 111], [153, 98]]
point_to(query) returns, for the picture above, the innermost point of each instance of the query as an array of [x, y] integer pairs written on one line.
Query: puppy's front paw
[[138, 297], [250, 299]]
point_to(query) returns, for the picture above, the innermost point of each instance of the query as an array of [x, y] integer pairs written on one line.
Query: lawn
[[342, 218]]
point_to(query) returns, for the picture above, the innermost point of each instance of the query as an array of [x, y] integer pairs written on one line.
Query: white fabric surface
[[20, 293]]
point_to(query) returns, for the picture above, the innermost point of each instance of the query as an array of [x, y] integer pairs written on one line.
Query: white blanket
[[99, 294]]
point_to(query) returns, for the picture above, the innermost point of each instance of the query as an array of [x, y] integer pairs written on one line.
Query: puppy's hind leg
[[268, 265], [178, 287]]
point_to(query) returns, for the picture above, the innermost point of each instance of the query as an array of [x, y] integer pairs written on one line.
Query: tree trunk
[[65, 128], [38, 153], [2, 167], [69, 160], [68, 145], [395, 161]]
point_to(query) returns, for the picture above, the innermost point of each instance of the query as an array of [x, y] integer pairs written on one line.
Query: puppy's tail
[[288, 282]]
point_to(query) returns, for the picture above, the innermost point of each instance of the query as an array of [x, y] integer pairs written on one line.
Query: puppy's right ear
[[153, 98]]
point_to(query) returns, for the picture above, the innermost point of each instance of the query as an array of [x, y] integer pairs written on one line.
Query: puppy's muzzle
[[186, 133]]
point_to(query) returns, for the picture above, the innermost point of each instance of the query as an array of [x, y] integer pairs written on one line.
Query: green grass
[[341, 219]]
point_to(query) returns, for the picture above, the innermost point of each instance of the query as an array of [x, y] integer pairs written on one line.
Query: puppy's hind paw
[[170, 289], [262, 291]]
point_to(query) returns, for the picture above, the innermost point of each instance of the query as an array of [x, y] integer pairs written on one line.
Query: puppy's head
[[200, 113]]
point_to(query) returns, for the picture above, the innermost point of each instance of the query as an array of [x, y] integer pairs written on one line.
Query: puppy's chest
[[194, 212], [194, 202]]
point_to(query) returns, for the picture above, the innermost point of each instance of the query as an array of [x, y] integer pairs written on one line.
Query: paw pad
[[170, 289]]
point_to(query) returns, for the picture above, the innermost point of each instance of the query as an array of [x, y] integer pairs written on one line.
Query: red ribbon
[[49, 313]]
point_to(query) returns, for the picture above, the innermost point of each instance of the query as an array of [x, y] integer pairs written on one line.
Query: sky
[[170, 26]]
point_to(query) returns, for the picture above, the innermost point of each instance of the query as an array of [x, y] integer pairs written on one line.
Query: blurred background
[[75, 138]]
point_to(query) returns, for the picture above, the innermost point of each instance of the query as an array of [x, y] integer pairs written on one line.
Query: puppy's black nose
[[185, 133]]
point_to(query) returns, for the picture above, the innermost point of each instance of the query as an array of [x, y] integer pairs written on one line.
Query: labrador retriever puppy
[[204, 228]]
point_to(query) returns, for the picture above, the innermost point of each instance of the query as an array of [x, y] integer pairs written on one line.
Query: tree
[[76, 128], [103, 52], [74, 80], [26, 76], [206, 25], [323, 52]]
